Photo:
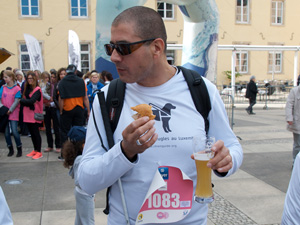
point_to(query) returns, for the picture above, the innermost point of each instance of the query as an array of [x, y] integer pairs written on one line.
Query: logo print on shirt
[[163, 114]]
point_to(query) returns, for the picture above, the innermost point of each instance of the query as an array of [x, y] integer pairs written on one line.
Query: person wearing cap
[[72, 100], [72, 153], [251, 93]]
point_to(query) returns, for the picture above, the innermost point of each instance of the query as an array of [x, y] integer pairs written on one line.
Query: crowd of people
[[35, 101]]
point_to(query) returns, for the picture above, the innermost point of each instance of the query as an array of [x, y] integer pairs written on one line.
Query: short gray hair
[[19, 72]]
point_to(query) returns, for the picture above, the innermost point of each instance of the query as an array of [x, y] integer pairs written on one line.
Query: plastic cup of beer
[[202, 154]]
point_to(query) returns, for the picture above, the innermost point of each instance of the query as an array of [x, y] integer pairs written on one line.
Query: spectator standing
[[72, 152], [50, 112], [86, 77], [138, 49], [292, 115], [72, 100], [106, 77], [93, 86], [10, 96], [22, 125], [251, 93], [38, 74], [33, 103], [61, 73], [20, 78], [2, 82]]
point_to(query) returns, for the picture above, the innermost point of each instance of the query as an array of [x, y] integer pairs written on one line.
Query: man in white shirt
[[5, 215], [291, 211], [138, 49]]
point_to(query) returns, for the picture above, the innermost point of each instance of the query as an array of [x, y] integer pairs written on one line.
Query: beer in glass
[[202, 154]]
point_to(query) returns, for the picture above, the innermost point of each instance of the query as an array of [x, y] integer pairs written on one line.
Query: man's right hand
[[290, 122], [140, 131]]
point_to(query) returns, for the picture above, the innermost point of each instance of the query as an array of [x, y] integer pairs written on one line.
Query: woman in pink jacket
[[33, 103], [10, 94]]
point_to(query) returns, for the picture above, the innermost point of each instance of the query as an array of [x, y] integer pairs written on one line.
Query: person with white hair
[[20, 77], [251, 93]]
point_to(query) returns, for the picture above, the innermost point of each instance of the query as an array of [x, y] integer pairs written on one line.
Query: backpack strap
[[199, 93], [114, 101], [111, 110]]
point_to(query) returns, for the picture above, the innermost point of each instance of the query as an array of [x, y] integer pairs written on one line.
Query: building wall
[[55, 18], [259, 31]]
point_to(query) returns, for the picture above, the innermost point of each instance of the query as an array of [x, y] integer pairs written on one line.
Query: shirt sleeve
[[1, 91], [97, 169], [220, 128], [18, 95]]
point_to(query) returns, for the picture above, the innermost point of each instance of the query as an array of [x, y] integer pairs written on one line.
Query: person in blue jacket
[[93, 86]]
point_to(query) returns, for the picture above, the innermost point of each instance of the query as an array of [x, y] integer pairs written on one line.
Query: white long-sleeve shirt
[[291, 211], [100, 169]]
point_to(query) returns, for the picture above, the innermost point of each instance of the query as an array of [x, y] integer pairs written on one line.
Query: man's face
[[137, 66]]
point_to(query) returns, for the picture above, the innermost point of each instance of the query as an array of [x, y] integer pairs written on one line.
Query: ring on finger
[[138, 142]]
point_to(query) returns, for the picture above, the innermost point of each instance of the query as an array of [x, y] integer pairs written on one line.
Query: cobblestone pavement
[[221, 211]]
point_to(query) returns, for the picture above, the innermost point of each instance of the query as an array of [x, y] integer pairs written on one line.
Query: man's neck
[[160, 76]]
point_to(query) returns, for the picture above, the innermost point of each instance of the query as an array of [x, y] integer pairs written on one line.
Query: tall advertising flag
[[74, 50], [35, 53]]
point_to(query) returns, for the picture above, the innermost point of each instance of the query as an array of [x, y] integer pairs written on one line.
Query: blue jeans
[[14, 128]]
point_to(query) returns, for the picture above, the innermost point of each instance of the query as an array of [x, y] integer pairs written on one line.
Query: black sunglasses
[[125, 48]]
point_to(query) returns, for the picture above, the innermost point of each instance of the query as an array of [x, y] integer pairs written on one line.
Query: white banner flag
[[35, 53], [74, 50]]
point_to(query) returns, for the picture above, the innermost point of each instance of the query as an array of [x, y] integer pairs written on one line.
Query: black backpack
[[111, 107]]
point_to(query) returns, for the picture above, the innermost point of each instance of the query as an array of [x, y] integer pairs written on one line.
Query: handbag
[[39, 116]]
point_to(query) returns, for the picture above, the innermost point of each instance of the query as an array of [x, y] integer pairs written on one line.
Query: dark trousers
[[252, 102], [35, 136], [74, 117], [51, 114], [22, 125]]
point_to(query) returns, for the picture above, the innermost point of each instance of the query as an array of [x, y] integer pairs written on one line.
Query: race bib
[[169, 198]]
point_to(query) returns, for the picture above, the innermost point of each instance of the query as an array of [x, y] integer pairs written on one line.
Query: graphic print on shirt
[[163, 114]]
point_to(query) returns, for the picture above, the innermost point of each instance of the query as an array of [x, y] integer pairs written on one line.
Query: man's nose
[[115, 56]]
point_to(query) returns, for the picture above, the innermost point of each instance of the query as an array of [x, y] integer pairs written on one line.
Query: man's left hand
[[222, 161]]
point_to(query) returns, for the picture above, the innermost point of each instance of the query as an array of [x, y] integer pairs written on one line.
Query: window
[[24, 58], [242, 61], [85, 57], [79, 8], [166, 10], [242, 11], [277, 12], [171, 57], [275, 62], [30, 8]]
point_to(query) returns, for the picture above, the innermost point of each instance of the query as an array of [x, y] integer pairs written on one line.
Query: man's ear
[[158, 48]]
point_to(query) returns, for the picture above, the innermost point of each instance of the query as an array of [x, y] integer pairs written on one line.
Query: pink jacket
[[28, 114], [8, 98]]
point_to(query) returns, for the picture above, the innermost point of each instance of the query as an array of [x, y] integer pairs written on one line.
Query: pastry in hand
[[143, 110]]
